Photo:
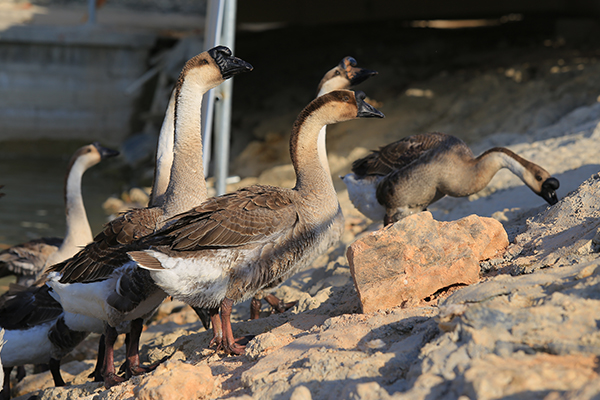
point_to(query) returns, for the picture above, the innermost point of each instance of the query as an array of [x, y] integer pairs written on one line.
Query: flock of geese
[[214, 252]]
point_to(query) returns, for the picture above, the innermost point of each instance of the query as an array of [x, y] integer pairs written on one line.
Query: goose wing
[[28, 259], [251, 215], [397, 155], [22, 308], [98, 260]]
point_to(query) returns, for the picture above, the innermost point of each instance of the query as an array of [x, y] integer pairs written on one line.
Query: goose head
[[541, 183], [343, 76], [91, 155], [211, 68], [228, 64], [342, 105]]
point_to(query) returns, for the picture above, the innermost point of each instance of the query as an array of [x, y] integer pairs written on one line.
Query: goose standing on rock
[[27, 260], [226, 249], [406, 176], [343, 76], [94, 284]]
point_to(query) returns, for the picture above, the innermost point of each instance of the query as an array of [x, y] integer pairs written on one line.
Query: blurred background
[[467, 68]]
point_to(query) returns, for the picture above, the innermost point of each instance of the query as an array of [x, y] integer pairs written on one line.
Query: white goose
[[92, 284], [343, 76], [406, 176], [31, 315], [28, 259], [231, 246]]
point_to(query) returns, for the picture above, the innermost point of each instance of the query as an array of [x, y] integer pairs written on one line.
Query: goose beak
[[228, 64], [358, 75], [548, 192], [105, 152], [365, 110]]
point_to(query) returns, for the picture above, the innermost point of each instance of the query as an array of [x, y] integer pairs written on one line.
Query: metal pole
[[223, 106], [91, 12], [212, 33]]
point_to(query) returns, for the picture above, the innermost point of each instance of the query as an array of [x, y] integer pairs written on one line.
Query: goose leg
[[229, 344], [133, 367], [5, 394], [255, 308], [55, 371], [278, 304], [110, 376], [217, 330], [97, 372], [21, 373]]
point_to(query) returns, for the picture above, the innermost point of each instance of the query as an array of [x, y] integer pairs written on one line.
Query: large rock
[[176, 380], [417, 256]]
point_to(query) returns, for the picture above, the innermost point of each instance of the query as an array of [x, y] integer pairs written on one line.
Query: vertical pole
[[223, 106], [91, 12], [212, 35]]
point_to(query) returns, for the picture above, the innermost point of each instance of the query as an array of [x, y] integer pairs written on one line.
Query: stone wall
[[69, 82]]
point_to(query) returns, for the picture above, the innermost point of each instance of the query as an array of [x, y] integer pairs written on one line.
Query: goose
[[27, 260], [229, 247], [343, 76], [90, 283], [38, 331], [404, 177]]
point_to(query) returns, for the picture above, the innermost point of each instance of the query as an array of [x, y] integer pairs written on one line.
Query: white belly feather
[[362, 193]]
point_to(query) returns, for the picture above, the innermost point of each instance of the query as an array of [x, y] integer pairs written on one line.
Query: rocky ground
[[527, 330]]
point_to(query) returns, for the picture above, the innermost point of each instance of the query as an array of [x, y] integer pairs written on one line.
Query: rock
[[417, 256], [563, 234], [176, 380], [301, 393]]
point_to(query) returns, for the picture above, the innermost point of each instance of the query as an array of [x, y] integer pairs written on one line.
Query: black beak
[[366, 110], [228, 64], [549, 190], [355, 75], [105, 152], [358, 75]]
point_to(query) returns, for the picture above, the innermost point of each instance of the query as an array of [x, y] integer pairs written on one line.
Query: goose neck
[[164, 155], [187, 185], [78, 231], [490, 162], [313, 179]]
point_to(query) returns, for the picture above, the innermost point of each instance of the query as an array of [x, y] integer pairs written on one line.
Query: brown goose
[[343, 76], [406, 176], [92, 284], [28, 259], [231, 246]]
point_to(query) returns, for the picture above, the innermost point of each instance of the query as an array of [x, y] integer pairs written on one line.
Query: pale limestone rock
[[417, 256], [176, 380]]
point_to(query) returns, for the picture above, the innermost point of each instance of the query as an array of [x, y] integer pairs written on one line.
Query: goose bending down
[[406, 176], [226, 249], [28, 259], [111, 289], [343, 76]]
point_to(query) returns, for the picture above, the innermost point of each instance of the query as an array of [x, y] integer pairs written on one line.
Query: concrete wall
[[69, 82]]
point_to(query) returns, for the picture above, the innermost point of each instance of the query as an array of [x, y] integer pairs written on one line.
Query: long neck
[[488, 164], [78, 232], [164, 156], [187, 186], [313, 179], [322, 146]]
